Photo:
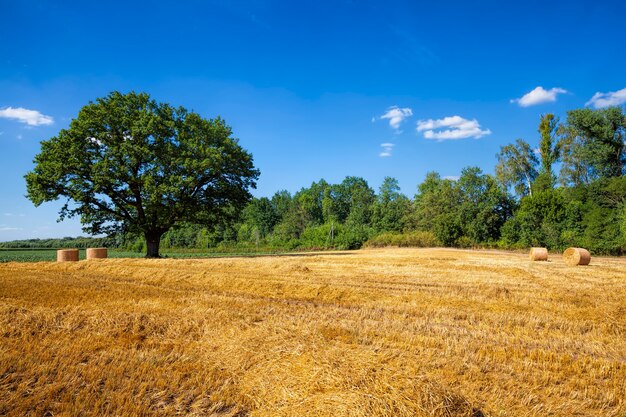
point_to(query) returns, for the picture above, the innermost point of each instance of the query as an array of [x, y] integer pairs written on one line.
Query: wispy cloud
[[26, 116], [5, 228], [451, 128], [612, 98], [396, 116], [387, 149], [538, 96], [451, 177]]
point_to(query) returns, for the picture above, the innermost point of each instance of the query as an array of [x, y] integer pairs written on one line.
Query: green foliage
[[510, 233], [130, 164], [540, 218], [602, 216], [589, 210], [417, 239], [593, 145], [261, 215], [517, 167], [484, 206], [447, 229], [436, 200], [550, 151], [358, 196], [391, 208], [474, 207], [330, 236]]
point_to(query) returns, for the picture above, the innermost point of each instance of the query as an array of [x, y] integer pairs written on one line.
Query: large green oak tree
[[130, 164]]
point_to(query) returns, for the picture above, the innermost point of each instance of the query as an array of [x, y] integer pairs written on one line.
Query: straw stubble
[[393, 332]]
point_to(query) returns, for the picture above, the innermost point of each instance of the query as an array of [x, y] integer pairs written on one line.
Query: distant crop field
[[44, 255], [384, 332], [29, 255]]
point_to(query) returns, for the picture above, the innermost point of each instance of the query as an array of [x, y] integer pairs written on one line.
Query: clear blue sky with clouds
[[314, 89]]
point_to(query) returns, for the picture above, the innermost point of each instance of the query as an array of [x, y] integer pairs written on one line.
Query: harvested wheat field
[[392, 332]]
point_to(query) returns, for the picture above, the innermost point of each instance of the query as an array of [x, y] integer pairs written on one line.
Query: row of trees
[[524, 204], [149, 174], [56, 243]]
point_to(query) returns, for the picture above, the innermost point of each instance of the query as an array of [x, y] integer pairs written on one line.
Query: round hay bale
[[538, 254], [97, 253], [67, 255], [576, 256]]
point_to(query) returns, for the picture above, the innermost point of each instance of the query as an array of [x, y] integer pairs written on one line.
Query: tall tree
[[358, 197], [549, 150], [391, 207], [435, 208], [310, 201], [484, 206], [282, 201], [548, 146], [517, 167], [261, 215], [593, 143], [129, 163]]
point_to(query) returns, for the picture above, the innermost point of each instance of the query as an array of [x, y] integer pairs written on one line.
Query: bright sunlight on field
[[392, 332]]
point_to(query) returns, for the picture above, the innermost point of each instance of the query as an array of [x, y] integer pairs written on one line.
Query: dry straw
[[576, 256], [97, 253], [382, 332], [67, 255], [538, 254]]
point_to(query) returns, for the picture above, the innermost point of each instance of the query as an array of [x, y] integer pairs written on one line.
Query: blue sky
[[314, 89]]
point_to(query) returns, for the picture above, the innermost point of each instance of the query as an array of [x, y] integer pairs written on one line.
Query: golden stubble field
[[391, 332]]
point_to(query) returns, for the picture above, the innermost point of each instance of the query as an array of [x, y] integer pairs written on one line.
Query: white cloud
[[457, 128], [29, 117], [538, 96], [451, 177], [396, 116], [387, 148], [612, 98]]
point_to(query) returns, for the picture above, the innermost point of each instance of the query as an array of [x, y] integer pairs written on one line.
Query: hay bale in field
[[538, 254], [97, 253], [67, 255], [576, 256]]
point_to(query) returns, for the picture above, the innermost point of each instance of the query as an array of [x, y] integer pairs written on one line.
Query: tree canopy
[[128, 163], [594, 145], [191, 177], [517, 167]]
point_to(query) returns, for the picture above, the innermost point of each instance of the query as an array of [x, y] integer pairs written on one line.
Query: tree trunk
[[153, 240]]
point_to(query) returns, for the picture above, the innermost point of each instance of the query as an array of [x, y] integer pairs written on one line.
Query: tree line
[[525, 203], [150, 175]]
